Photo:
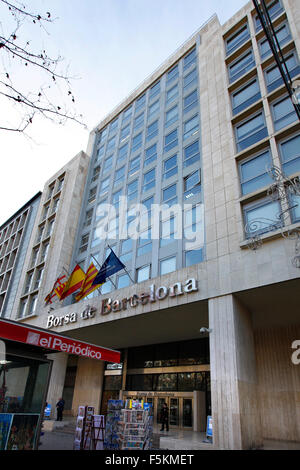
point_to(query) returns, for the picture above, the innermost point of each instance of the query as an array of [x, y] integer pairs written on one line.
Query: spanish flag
[[86, 287], [73, 283]]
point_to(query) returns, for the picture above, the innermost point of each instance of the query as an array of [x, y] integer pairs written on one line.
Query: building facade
[[208, 135]]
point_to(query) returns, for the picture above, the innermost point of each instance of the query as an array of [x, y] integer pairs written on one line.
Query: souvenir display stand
[[89, 434], [114, 411]]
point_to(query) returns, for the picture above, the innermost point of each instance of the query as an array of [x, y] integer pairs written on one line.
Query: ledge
[[272, 235], [28, 317]]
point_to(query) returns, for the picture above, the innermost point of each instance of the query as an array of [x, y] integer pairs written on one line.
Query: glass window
[[111, 144], [123, 281], [149, 180], [127, 114], [193, 222], [171, 140], [167, 265], [113, 126], [241, 66], [172, 94], [189, 59], [115, 197], [29, 277], [125, 133], [254, 174], [283, 113], [134, 165], [290, 155], [143, 274], [191, 154], [262, 217], [245, 96], [132, 190], [274, 8], [273, 76], [168, 232], [123, 152], [283, 36], [138, 122], [144, 242], [92, 195], [152, 131], [140, 102], [170, 167], [104, 185], [153, 109], [295, 211], [192, 184], [32, 304], [190, 101], [172, 74], [190, 79], [88, 218], [119, 176], [170, 195], [237, 39], [102, 135], [126, 250], [106, 288], [96, 173], [107, 164], [250, 132], [171, 116], [193, 257], [137, 142], [191, 127], [100, 153], [154, 90], [150, 155]]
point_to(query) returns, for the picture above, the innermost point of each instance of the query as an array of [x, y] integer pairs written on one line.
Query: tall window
[[107, 164], [150, 155], [272, 74], [250, 131], [149, 180], [283, 113], [171, 116], [192, 184], [171, 140], [125, 133], [190, 101], [190, 79], [170, 167], [138, 122], [282, 34], [245, 96], [240, 66], [144, 242], [274, 8], [172, 94], [132, 190], [237, 39], [154, 90], [169, 195], [153, 109], [191, 154], [191, 127], [290, 155], [189, 59], [172, 74], [140, 102], [254, 174], [137, 142], [119, 176], [152, 131], [134, 165]]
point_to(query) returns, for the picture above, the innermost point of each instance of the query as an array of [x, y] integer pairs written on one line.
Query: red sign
[[25, 334]]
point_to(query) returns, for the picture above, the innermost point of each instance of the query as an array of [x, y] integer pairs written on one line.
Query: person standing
[[165, 417], [60, 408]]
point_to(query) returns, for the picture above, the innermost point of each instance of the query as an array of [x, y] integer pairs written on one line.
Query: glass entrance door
[[174, 412], [187, 413]]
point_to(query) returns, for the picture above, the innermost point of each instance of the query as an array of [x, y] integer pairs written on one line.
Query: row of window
[[12, 228]]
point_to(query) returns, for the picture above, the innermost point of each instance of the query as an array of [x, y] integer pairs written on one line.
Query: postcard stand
[[94, 433]]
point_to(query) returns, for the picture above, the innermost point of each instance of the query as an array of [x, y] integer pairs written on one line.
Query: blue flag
[[111, 265]]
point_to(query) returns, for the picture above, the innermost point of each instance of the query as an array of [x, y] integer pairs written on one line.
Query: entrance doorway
[[180, 408]]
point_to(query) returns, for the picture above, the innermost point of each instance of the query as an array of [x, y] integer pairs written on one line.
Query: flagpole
[[100, 267], [98, 288], [124, 267]]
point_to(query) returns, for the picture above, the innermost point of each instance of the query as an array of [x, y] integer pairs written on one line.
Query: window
[[126, 250], [40, 233], [172, 94], [172, 74], [104, 185], [55, 205], [107, 164], [154, 90], [153, 109], [290, 155], [241, 66], [152, 131], [137, 142], [283, 35], [150, 155], [190, 101], [106, 288], [134, 165], [237, 39], [92, 196], [29, 277], [193, 222], [132, 190], [168, 232], [273, 76], [261, 217], [171, 140], [127, 115], [96, 173], [140, 102], [45, 249], [111, 144], [50, 227], [138, 122], [295, 211], [60, 184], [245, 96], [113, 126], [144, 242], [190, 79], [149, 180], [274, 8], [167, 265], [45, 211], [253, 172], [189, 59], [143, 273], [32, 304], [123, 152], [100, 153], [192, 184], [191, 127], [193, 257], [191, 154], [250, 132], [171, 116], [22, 309], [125, 133], [115, 197], [123, 281], [170, 167], [283, 113], [119, 176], [88, 218], [102, 135], [170, 195]]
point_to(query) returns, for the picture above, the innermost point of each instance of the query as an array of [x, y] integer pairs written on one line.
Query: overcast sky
[[111, 46]]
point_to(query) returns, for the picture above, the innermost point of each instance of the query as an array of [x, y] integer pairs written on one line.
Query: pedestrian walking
[[164, 417], [60, 408]]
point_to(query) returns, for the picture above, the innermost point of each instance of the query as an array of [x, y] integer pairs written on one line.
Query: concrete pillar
[[236, 420], [88, 384], [57, 380]]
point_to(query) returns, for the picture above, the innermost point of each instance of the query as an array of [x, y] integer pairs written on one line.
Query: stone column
[[88, 384], [236, 421], [57, 380]]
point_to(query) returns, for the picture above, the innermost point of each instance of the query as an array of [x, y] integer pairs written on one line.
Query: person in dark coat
[[165, 417], [60, 408]]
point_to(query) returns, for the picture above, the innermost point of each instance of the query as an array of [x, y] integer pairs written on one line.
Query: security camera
[[205, 330]]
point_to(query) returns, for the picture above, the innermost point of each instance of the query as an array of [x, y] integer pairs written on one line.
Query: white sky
[[111, 46]]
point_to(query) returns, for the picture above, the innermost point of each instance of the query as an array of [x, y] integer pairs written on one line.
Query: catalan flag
[[73, 283], [86, 287], [60, 281]]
